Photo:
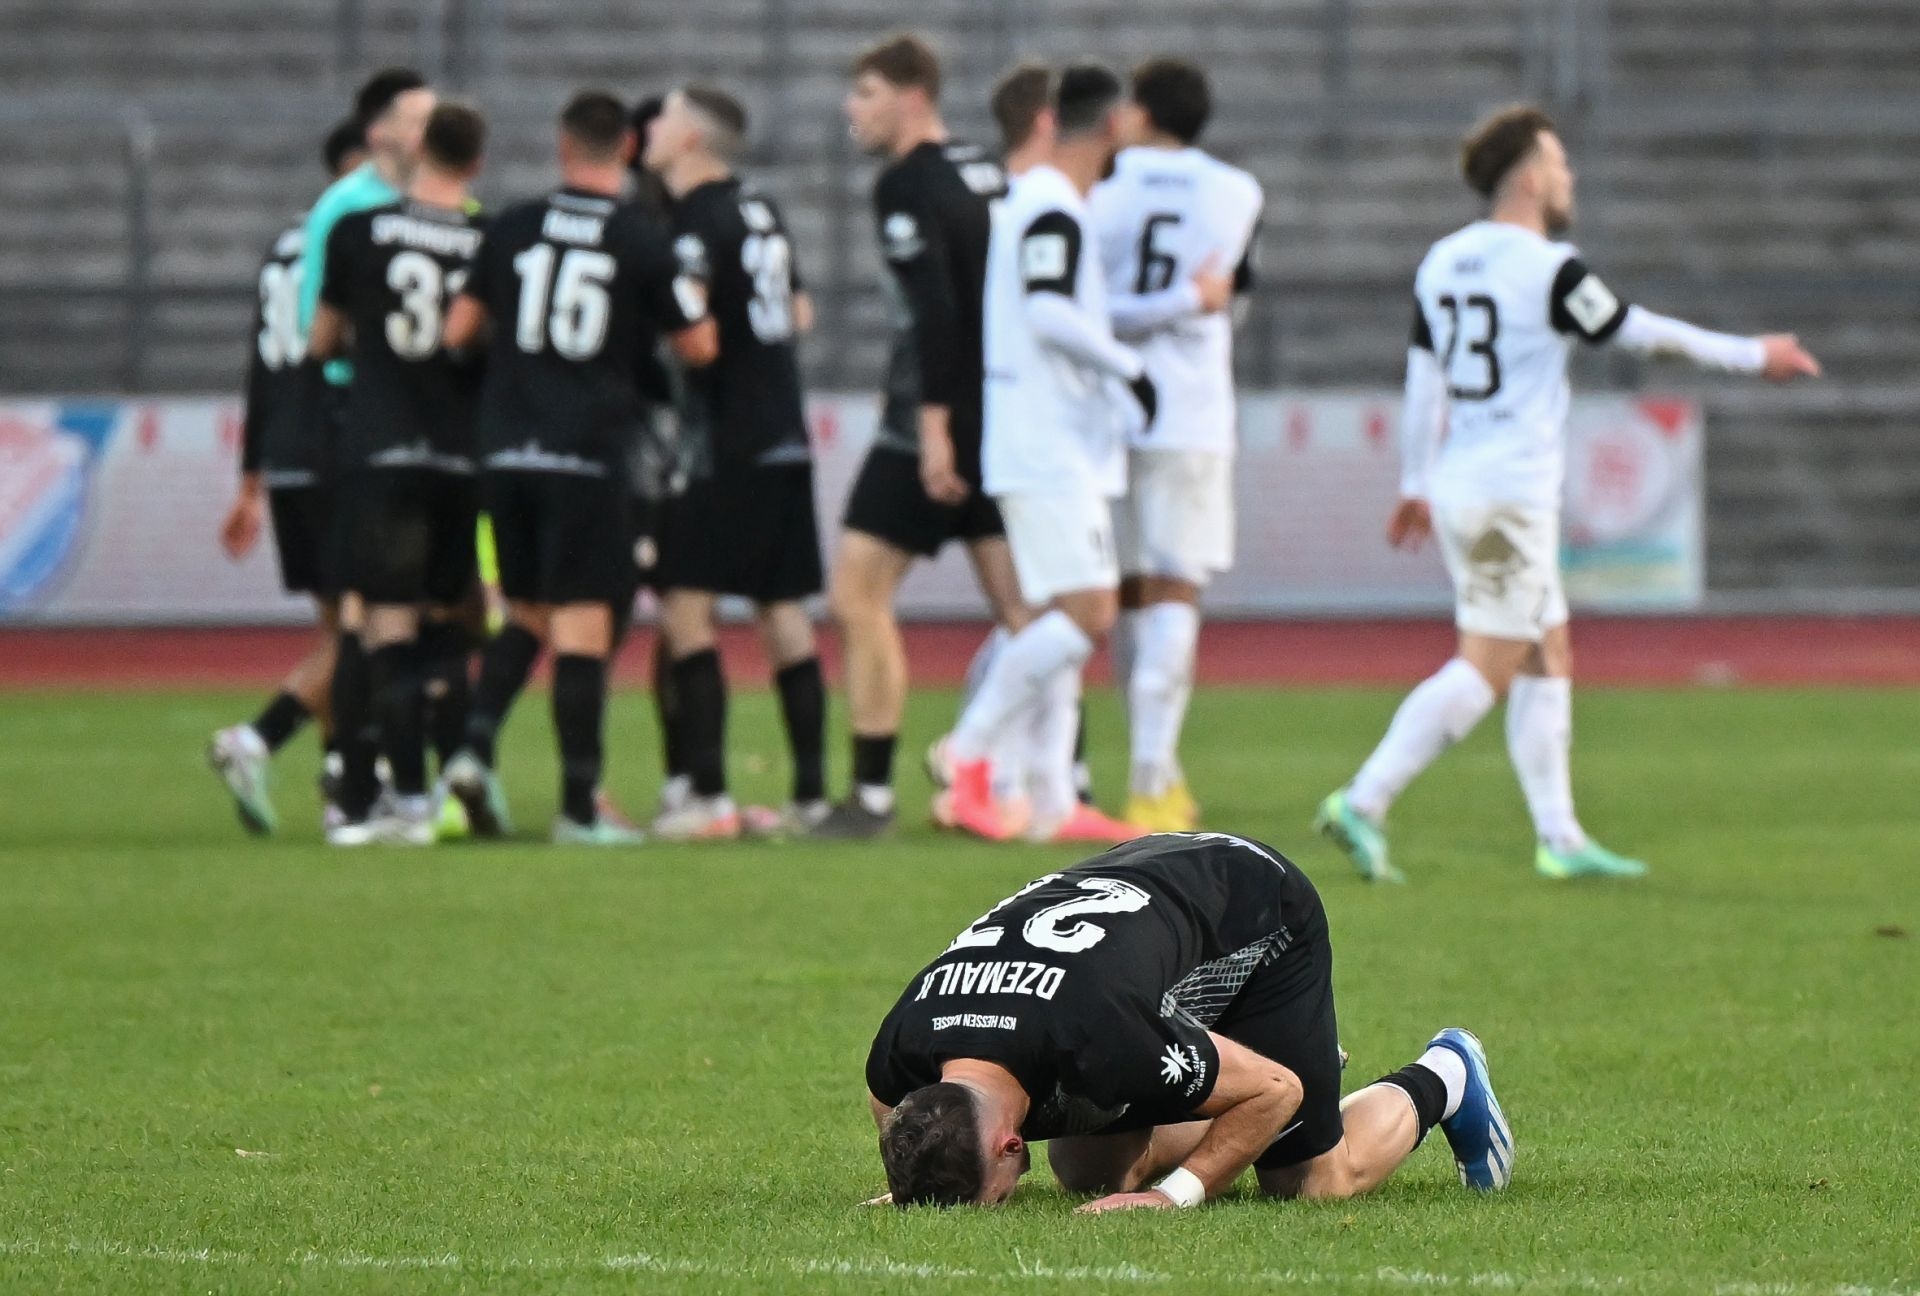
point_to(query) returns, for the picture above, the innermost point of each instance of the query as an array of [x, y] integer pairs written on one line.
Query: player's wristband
[[1183, 1188]]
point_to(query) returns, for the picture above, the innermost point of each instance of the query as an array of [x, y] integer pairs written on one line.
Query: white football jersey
[[1161, 216], [1499, 307], [1054, 424]]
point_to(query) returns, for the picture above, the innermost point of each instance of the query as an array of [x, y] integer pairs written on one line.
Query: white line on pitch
[[643, 1262]]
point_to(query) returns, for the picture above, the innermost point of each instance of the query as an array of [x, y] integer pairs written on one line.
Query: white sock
[[1019, 671], [982, 662], [1157, 693], [1540, 743], [1440, 712], [1056, 721], [1452, 1070]]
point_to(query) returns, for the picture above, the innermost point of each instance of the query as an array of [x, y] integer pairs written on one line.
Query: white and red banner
[[108, 511]]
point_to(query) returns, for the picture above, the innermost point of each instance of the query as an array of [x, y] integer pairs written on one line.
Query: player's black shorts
[[1285, 1012], [888, 503], [561, 537], [410, 535], [747, 531], [302, 519]]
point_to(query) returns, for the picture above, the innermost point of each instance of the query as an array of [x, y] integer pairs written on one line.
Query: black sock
[[702, 693], [1428, 1091], [280, 720], [504, 668], [803, 705], [400, 706], [873, 760], [666, 705], [353, 729], [445, 664], [579, 709], [1082, 776]]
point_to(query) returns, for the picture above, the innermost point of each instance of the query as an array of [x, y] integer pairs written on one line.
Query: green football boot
[[1591, 860], [1361, 838]]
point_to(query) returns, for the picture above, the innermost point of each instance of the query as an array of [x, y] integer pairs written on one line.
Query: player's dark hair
[[905, 62], [596, 121], [1086, 94], [456, 136], [349, 136], [1019, 97], [724, 111], [382, 88], [1173, 93], [930, 1147], [1498, 144], [640, 120]]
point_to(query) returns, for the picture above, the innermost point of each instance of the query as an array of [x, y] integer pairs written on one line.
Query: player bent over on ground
[[577, 285], [1162, 1015], [1497, 306]]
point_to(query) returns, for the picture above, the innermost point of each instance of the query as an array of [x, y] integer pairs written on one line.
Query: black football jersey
[[933, 211], [580, 288], [747, 405], [280, 437], [1095, 986], [394, 271]]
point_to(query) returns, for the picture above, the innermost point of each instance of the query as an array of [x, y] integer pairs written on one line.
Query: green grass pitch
[[230, 1066]]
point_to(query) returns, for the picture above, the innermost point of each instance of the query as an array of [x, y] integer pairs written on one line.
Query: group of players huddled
[[486, 432], [599, 389]]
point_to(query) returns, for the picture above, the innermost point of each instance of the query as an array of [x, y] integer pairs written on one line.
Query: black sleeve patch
[[1050, 253], [1243, 273], [1422, 335], [1580, 303]]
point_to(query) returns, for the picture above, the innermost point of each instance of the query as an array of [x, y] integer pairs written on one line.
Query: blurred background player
[[394, 105], [745, 525], [1059, 389], [1172, 223], [577, 285], [920, 484], [283, 480], [1497, 306], [407, 459]]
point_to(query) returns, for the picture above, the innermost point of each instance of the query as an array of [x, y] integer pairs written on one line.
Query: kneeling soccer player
[[1163, 1013]]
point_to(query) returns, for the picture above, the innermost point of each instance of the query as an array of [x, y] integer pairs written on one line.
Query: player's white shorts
[[1505, 564], [1177, 517], [1062, 543]]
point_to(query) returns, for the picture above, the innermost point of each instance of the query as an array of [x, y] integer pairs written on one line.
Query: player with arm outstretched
[[1164, 1015], [1176, 237], [1497, 307]]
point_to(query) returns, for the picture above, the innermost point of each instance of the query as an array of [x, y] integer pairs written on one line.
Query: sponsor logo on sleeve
[[1044, 256], [901, 234], [1592, 304], [1182, 1065]]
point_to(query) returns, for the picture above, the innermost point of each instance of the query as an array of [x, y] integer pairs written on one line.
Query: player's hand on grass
[[240, 529], [1154, 1200], [1410, 524], [1215, 289], [1786, 359], [884, 1199]]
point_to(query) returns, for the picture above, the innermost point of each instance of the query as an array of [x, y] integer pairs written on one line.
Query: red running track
[[1608, 650]]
